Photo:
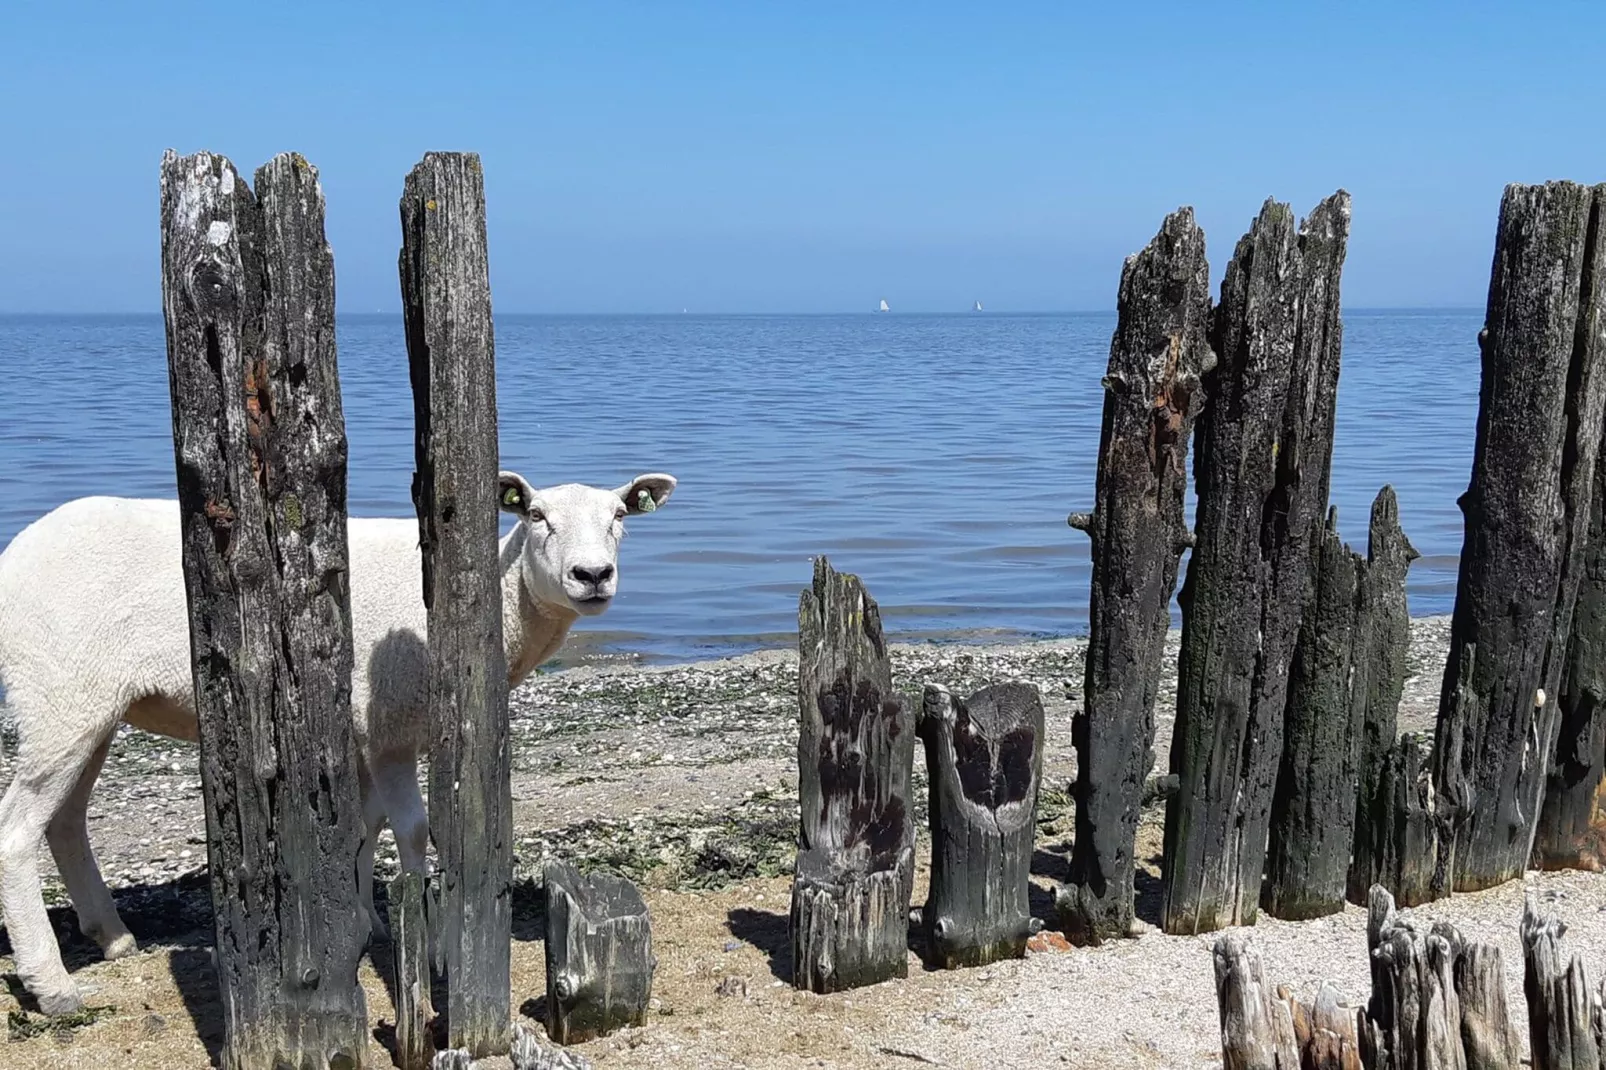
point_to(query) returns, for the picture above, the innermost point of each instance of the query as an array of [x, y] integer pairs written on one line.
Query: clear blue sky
[[759, 156]]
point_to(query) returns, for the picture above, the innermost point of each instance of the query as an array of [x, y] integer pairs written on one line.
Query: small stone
[[1048, 940], [732, 986]]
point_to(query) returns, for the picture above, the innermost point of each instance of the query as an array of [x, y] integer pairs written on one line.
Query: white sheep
[[94, 632]]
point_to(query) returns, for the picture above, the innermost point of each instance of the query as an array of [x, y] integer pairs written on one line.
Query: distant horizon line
[[966, 313]]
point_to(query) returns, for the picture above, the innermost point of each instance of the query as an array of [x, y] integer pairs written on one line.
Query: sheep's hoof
[[120, 946], [56, 1003]]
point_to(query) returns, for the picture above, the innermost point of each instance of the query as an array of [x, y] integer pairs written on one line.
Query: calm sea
[[936, 456]]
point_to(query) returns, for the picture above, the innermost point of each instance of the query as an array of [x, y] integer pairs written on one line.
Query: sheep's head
[[572, 533]]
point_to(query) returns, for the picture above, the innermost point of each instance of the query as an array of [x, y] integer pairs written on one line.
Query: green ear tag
[[510, 497], [644, 501]]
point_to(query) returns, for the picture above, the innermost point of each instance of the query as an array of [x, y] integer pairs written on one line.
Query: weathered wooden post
[[409, 938], [1564, 1018], [260, 444], [1257, 1025], [1152, 395], [1411, 833], [1572, 821], [1313, 808], [984, 756], [1265, 440], [599, 960], [1381, 648], [446, 299], [1527, 515], [855, 862]]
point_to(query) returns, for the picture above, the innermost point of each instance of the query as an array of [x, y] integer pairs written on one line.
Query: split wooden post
[[1313, 809], [1257, 1026], [855, 862], [1572, 820], [1138, 528], [1564, 1027], [1412, 832], [1382, 649], [260, 446], [446, 300], [409, 938], [1527, 512], [599, 960], [984, 756], [1261, 467]]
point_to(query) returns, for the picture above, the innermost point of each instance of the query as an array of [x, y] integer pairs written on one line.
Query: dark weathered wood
[[1257, 1026], [1152, 395], [1313, 810], [1527, 513], [984, 757], [1381, 649], [855, 864], [1264, 443], [599, 960], [1561, 1023], [260, 448], [409, 937], [1572, 820], [446, 300], [1412, 832]]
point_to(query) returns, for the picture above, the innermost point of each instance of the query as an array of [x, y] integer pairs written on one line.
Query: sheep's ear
[[513, 493], [646, 493]]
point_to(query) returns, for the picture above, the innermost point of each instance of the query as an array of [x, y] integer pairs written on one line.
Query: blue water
[[937, 456]]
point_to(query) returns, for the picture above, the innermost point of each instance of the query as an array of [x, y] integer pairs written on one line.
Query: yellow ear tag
[[510, 497], [644, 501]]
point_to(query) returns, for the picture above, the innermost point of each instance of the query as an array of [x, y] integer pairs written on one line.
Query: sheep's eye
[[620, 515], [536, 516]]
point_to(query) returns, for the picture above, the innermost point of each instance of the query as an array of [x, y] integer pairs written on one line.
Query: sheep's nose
[[593, 576]]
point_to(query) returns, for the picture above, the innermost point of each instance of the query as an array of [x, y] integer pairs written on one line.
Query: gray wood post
[[1152, 395], [1261, 467], [260, 448], [1564, 1028], [1382, 649], [446, 299], [599, 959], [984, 757], [1527, 512], [409, 937], [855, 862]]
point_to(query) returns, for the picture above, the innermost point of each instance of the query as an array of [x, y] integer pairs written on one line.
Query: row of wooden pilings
[[1289, 786]]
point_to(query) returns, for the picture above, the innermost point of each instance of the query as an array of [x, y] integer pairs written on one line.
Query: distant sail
[[883, 307], [978, 307]]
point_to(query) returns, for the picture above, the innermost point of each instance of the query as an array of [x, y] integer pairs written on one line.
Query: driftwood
[[599, 960], [1527, 512], [1564, 1026], [855, 863], [1381, 649], [1264, 443], [409, 947], [1152, 395], [446, 299], [1572, 821], [259, 441], [1313, 810], [984, 756]]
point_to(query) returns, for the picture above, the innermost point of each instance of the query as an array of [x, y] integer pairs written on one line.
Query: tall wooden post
[[1527, 518], [1152, 394], [260, 445], [1264, 442], [446, 299], [1572, 821]]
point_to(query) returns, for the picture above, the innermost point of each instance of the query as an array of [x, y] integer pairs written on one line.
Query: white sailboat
[[977, 308], [883, 307]]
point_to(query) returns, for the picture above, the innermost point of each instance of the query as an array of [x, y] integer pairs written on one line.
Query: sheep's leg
[[373, 819], [68, 836], [396, 783], [29, 804]]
